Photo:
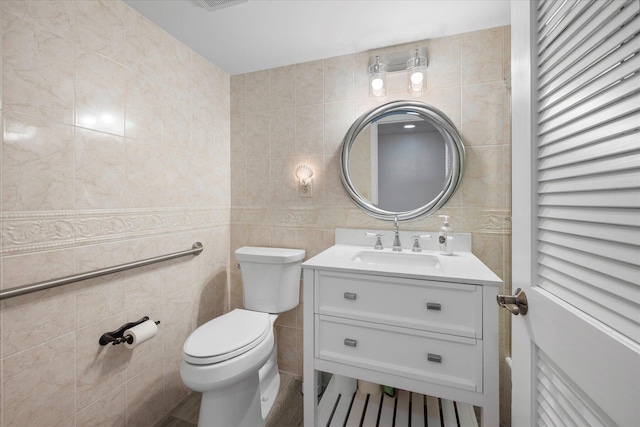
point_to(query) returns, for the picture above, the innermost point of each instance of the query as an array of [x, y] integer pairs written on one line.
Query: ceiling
[[263, 34]]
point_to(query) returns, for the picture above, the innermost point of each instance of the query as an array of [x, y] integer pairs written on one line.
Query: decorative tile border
[[463, 220], [24, 232], [38, 231]]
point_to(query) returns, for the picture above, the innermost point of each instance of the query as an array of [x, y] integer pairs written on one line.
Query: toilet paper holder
[[117, 336]]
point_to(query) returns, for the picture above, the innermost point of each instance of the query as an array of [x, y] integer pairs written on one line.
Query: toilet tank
[[270, 278]]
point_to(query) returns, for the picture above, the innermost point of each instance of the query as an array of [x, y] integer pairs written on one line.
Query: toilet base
[[244, 404], [269, 382], [237, 405]]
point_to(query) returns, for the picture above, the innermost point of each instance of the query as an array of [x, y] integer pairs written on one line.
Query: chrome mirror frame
[[446, 128]]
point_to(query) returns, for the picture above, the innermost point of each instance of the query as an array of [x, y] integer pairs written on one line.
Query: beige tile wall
[[115, 148], [283, 117]]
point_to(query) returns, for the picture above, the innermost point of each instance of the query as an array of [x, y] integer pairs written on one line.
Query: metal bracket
[[116, 337], [397, 61]]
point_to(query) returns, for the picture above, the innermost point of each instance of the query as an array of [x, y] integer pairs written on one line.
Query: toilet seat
[[226, 336]]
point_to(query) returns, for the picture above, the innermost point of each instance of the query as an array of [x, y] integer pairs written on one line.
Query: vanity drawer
[[436, 358], [448, 308]]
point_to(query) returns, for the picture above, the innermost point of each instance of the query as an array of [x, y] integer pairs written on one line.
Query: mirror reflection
[[399, 162], [403, 158]]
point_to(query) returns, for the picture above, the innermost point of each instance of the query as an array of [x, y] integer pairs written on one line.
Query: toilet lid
[[226, 336]]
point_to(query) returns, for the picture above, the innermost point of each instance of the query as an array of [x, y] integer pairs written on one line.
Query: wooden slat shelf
[[406, 409]]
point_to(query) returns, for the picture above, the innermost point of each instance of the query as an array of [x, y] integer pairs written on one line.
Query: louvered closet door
[[576, 212]]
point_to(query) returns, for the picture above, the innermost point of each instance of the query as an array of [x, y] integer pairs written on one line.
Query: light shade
[[304, 174], [416, 74], [378, 78]]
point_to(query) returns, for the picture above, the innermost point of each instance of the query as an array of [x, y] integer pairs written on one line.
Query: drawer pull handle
[[349, 295], [434, 358], [434, 306], [350, 342]]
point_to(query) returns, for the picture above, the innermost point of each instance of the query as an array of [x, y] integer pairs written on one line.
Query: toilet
[[232, 359]]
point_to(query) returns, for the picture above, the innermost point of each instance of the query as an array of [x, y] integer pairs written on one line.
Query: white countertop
[[461, 267]]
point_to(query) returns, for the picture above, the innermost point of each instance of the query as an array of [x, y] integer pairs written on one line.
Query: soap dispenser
[[445, 237]]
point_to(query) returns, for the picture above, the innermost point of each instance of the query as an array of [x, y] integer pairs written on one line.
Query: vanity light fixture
[[304, 173], [413, 63], [378, 78]]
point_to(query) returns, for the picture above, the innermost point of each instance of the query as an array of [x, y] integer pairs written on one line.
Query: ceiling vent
[[219, 4]]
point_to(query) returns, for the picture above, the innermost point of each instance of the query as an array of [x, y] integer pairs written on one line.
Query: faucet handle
[[416, 242], [378, 236]]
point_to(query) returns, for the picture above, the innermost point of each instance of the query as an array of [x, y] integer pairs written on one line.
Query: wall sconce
[[378, 78], [304, 173], [416, 73], [413, 63]]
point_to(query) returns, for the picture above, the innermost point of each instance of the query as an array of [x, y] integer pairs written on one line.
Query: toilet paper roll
[[367, 387], [140, 333], [345, 385]]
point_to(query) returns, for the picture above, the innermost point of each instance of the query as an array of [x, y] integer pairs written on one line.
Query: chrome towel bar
[[39, 286]]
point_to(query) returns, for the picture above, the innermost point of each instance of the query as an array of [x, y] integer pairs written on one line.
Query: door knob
[[516, 303]]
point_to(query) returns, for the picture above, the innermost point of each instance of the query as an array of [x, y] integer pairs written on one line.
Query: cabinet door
[[443, 307]]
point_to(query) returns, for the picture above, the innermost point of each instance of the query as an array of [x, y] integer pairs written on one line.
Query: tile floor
[[286, 412]]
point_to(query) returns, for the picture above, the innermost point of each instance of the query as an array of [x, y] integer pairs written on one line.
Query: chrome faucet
[[416, 241], [397, 246], [378, 237]]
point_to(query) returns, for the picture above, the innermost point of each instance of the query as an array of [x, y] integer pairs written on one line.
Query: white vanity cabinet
[[431, 332]]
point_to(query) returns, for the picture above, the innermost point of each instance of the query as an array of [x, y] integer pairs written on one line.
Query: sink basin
[[406, 259]]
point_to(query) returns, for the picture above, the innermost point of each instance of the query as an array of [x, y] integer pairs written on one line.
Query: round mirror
[[403, 159]]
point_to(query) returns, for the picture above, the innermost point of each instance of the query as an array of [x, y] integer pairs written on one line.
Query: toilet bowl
[[232, 359], [233, 394]]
